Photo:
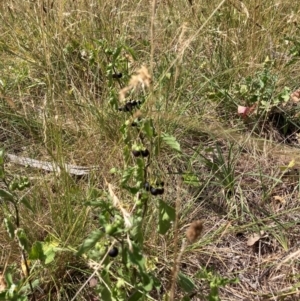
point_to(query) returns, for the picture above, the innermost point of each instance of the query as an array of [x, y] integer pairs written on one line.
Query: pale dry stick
[[177, 258], [176, 270], [188, 42], [52, 166]]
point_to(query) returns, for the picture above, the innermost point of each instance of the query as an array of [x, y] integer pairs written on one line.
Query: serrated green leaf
[[139, 170], [127, 175], [50, 247], [22, 239], [44, 251], [9, 228], [90, 241], [185, 282], [171, 142], [166, 217]]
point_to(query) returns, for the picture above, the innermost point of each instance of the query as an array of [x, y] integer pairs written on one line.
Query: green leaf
[[36, 252], [26, 203], [148, 128], [191, 179], [6, 195], [147, 282], [135, 256], [116, 52], [44, 251], [186, 283], [9, 228], [2, 174], [8, 278], [90, 241], [139, 170], [126, 175], [166, 217], [171, 142], [137, 295], [3, 296], [22, 239], [1, 156]]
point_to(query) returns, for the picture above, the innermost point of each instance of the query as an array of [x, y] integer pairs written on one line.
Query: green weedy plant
[[11, 202], [118, 244], [215, 282], [10, 205], [261, 90]]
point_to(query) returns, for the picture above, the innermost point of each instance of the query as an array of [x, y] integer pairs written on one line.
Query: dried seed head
[[194, 231], [142, 79]]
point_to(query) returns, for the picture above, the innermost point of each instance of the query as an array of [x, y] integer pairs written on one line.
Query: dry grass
[[54, 106]]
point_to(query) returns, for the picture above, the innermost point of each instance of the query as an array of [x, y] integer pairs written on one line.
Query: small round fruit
[[110, 229], [138, 203], [113, 252], [136, 153], [154, 191], [147, 186], [160, 190], [145, 153], [117, 75], [128, 107]]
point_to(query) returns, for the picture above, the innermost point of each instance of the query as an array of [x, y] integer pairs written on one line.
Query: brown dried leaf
[[295, 96], [253, 239]]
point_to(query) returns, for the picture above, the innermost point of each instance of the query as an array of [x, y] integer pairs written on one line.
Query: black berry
[[160, 190], [117, 75], [136, 153], [154, 191], [145, 153], [128, 107], [147, 186], [113, 252]]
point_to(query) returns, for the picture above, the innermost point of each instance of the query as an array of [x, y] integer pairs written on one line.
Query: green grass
[[58, 104]]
